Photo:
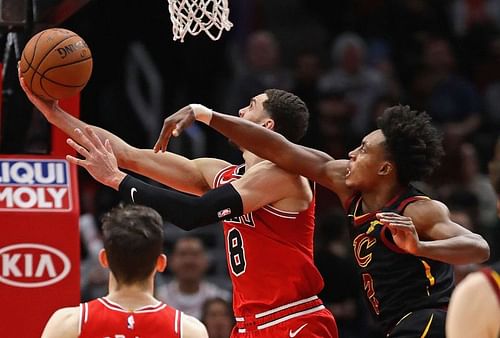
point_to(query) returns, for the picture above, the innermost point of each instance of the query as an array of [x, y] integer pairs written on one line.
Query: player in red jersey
[[260, 206], [133, 244], [403, 252]]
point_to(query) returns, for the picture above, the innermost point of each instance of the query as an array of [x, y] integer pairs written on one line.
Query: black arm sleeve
[[186, 211]]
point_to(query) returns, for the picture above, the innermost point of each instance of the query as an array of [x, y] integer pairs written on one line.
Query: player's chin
[[350, 182]]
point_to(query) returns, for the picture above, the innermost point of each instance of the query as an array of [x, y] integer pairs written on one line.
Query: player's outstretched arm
[[185, 211], [425, 229], [193, 328], [186, 175], [62, 324], [311, 163]]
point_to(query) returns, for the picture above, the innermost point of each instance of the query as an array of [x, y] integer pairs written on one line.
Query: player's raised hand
[[99, 159], [46, 107], [174, 125], [403, 231]]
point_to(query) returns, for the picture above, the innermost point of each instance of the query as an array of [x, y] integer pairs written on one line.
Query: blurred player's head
[[189, 261], [280, 111], [405, 148], [133, 243]]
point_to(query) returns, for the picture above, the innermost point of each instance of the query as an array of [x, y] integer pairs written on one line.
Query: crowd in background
[[348, 60]]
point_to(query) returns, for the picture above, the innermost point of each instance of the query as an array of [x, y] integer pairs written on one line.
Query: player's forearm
[[68, 123], [169, 169], [463, 249], [253, 137], [187, 212]]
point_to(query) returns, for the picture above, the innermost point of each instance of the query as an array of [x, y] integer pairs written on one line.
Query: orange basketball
[[56, 63]]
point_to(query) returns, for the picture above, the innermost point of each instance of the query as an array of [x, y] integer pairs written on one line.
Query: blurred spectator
[[352, 75], [466, 14], [93, 277], [453, 102], [469, 178], [334, 119], [262, 70], [188, 290], [308, 69], [217, 316]]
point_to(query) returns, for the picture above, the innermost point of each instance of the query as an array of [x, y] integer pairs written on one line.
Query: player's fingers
[[391, 215], [81, 150], [109, 148], [159, 146], [84, 140], [94, 138], [400, 227], [77, 161]]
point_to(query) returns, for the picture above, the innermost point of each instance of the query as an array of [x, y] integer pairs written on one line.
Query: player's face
[[255, 110], [366, 162]]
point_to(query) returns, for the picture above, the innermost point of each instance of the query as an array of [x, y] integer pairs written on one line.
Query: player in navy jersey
[[133, 245], [404, 242]]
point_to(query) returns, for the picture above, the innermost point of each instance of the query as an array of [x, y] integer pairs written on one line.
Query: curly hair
[[412, 141], [289, 112]]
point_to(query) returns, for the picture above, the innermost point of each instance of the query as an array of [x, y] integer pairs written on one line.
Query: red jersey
[[269, 255], [102, 318]]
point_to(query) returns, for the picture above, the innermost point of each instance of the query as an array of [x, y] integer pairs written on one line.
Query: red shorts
[[312, 322]]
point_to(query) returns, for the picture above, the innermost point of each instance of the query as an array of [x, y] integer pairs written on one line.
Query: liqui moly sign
[[34, 185]]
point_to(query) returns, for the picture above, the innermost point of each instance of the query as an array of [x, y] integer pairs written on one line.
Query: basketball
[[56, 63]]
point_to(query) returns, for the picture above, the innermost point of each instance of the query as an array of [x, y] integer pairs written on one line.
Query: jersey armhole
[[217, 177], [493, 279]]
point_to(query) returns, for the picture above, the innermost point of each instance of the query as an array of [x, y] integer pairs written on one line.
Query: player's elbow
[[482, 252]]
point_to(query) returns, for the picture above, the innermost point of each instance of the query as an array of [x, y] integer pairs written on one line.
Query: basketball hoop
[[195, 16]]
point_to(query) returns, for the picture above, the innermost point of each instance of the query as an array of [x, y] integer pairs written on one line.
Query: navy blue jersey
[[395, 282]]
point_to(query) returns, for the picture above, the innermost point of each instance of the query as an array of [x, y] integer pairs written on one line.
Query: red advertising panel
[[39, 242]]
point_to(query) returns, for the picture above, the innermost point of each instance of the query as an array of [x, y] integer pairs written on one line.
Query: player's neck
[[378, 197], [251, 159], [132, 296]]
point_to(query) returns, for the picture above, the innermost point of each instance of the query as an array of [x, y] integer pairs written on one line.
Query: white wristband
[[202, 113]]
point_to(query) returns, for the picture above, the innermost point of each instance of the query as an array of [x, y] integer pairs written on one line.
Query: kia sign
[[34, 185], [31, 265]]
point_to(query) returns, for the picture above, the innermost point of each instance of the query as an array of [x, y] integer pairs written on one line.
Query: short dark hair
[[133, 240], [289, 112], [412, 141]]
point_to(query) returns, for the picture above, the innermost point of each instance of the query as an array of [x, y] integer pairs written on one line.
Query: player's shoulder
[[63, 323], [426, 208], [193, 328], [270, 168]]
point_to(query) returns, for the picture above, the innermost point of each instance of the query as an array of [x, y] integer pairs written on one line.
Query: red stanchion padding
[[39, 242]]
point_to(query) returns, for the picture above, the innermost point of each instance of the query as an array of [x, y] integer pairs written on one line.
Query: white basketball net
[[195, 16]]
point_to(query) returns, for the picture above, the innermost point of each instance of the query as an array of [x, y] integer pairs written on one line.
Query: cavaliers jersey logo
[[362, 243]]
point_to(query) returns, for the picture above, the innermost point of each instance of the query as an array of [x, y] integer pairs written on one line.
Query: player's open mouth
[[347, 172]]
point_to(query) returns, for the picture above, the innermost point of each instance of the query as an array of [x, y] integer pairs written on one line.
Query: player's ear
[[268, 123], [386, 168], [103, 258], [161, 263]]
